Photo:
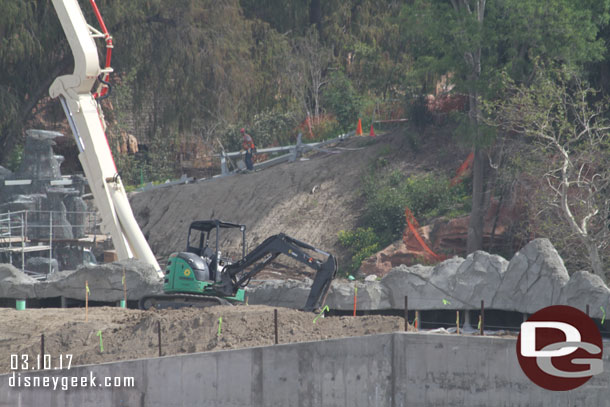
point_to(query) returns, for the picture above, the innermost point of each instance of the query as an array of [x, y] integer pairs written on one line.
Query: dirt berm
[[311, 199], [132, 334]]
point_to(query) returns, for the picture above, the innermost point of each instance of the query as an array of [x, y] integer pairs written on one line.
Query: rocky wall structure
[[534, 278], [105, 282]]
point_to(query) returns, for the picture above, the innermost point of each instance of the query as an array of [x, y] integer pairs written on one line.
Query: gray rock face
[[586, 288], [280, 293], [371, 295], [15, 284], [478, 278], [293, 294], [533, 280], [105, 282]]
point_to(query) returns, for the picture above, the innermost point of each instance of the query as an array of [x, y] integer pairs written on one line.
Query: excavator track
[[175, 301]]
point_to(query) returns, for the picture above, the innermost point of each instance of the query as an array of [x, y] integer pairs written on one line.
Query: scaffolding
[[23, 232]]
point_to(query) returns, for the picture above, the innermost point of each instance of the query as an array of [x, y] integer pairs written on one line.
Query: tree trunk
[[476, 224], [594, 259], [315, 14]]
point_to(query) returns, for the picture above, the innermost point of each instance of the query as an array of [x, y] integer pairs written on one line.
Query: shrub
[[363, 243], [342, 100]]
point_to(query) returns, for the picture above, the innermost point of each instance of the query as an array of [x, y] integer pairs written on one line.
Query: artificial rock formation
[[533, 279], [105, 282]]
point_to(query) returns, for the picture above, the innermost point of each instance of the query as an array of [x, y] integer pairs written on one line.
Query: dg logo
[[560, 348]]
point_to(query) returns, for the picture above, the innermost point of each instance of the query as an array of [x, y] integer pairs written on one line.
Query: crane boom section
[[87, 123]]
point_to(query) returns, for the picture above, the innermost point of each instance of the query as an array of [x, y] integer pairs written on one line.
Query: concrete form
[[400, 369]]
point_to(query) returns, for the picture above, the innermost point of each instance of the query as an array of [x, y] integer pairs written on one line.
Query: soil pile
[[132, 334]]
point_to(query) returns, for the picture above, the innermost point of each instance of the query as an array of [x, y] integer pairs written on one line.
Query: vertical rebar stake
[[406, 313], [42, 346], [275, 324]]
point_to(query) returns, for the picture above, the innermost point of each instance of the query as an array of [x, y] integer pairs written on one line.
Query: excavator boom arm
[[267, 251]]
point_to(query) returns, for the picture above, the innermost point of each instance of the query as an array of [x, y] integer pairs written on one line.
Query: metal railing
[[294, 151]]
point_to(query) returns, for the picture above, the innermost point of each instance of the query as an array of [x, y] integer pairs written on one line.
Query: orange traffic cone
[[359, 128], [372, 133]]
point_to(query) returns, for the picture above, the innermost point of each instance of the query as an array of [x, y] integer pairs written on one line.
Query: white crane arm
[[87, 123]]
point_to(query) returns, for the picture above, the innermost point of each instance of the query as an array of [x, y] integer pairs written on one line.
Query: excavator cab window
[[197, 242]]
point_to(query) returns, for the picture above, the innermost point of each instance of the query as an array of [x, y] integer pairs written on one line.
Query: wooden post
[[355, 297], [159, 331], [275, 325], [406, 313], [457, 321]]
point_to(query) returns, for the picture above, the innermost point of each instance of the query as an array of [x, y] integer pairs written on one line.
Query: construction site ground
[[132, 334]]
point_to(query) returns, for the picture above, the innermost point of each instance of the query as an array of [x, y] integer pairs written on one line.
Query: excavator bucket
[[321, 285]]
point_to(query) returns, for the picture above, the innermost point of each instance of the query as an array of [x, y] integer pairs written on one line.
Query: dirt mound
[[311, 200], [132, 334]]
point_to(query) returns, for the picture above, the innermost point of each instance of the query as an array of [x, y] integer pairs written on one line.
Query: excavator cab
[[198, 242]]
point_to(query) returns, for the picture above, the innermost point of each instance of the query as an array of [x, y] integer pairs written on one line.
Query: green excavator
[[201, 276]]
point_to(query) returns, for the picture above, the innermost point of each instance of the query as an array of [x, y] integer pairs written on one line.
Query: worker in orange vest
[[248, 147]]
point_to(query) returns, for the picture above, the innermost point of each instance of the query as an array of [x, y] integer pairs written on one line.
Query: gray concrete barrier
[[400, 369]]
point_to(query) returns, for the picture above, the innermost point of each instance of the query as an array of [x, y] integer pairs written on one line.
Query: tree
[[310, 62], [32, 55], [477, 41], [571, 135]]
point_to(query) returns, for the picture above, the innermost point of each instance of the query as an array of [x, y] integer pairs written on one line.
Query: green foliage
[[14, 160], [362, 242], [341, 98], [386, 195], [427, 196]]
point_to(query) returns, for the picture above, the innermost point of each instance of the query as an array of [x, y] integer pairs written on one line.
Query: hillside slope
[[311, 200]]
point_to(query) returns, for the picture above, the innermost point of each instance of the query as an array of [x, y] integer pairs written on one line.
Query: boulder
[[478, 278], [293, 294], [423, 285], [105, 282], [371, 295], [14, 283], [533, 280], [584, 289], [280, 293]]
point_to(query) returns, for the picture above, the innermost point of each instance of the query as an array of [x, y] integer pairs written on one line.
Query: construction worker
[[248, 147]]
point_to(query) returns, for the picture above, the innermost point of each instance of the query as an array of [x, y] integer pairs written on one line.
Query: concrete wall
[[384, 370]]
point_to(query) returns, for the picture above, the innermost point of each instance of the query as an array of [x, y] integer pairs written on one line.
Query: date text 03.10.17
[[41, 362]]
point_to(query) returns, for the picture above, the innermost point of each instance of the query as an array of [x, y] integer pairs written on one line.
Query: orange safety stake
[[359, 128]]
